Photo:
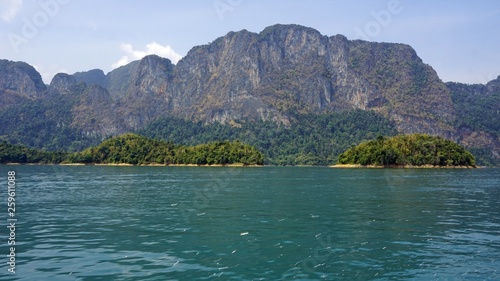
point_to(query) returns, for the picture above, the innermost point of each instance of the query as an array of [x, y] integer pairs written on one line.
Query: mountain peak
[[21, 78], [151, 59], [279, 28], [61, 84], [91, 77], [153, 71]]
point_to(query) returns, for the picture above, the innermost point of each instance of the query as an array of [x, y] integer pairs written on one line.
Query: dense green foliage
[[309, 140], [414, 150], [138, 150], [19, 154], [479, 111], [44, 124]]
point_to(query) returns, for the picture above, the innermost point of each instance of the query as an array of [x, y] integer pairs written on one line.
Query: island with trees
[[415, 150], [133, 149]]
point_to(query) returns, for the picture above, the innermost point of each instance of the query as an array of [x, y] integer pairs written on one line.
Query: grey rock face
[[61, 84], [21, 78]]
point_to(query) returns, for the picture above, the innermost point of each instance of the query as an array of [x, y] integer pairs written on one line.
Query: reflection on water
[[272, 223]]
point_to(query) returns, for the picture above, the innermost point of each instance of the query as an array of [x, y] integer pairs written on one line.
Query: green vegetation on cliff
[[46, 124], [309, 139], [477, 106], [138, 150], [408, 150]]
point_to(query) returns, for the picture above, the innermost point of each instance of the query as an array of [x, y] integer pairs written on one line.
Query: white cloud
[[152, 48], [49, 73], [9, 9]]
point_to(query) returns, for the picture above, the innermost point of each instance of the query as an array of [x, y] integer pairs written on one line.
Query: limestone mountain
[[288, 69], [277, 75], [19, 82], [21, 78], [92, 77], [61, 84]]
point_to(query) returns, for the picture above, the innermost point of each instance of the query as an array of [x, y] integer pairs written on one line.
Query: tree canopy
[[10, 153], [138, 150], [312, 139], [408, 150]]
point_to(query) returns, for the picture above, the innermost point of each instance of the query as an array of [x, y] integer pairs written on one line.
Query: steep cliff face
[[120, 79], [19, 83], [21, 78], [147, 97], [289, 69], [219, 82], [116, 82], [94, 113], [418, 100], [61, 84], [281, 71], [92, 77]]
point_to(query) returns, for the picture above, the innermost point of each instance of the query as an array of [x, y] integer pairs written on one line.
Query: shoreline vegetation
[[134, 165], [337, 166], [135, 150], [160, 165], [414, 151], [407, 151], [354, 166]]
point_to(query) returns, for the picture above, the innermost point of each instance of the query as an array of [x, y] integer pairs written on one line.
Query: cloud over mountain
[[153, 48]]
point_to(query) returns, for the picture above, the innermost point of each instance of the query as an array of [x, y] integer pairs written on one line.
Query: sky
[[460, 39]]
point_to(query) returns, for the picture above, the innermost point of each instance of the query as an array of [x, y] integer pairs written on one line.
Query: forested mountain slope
[[277, 77]]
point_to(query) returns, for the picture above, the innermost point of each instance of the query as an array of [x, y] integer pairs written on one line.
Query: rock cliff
[[275, 75], [478, 116], [21, 78], [290, 69]]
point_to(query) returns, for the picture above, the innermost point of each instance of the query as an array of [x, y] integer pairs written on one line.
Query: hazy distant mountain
[[276, 75]]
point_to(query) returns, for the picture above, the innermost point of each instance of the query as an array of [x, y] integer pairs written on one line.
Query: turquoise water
[[270, 223]]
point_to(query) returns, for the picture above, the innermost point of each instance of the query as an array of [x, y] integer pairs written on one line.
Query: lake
[[262, 223]]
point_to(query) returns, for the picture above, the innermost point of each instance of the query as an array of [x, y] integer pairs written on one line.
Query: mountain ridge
[[278, 74]]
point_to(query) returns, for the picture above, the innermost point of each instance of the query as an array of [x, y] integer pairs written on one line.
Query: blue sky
[[460, 39]]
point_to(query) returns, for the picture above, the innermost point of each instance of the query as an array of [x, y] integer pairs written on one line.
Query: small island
[[133, 149], [415, 150]]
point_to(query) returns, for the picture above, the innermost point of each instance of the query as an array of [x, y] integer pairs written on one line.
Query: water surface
[[270, 223]]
